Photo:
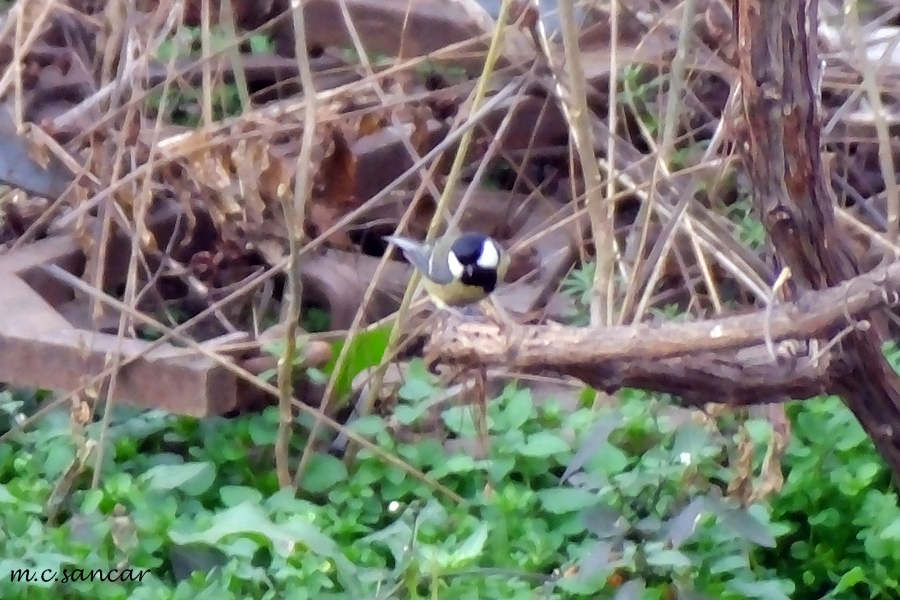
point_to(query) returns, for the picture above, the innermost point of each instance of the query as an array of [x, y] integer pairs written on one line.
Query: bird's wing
[[440, 269], [418, 254]]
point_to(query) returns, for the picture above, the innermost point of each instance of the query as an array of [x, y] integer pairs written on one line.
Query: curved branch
[[819, 314], [745, 378]]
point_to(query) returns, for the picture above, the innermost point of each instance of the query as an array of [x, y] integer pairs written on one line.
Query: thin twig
[[783, 278], [206, 108], [600, 210], [426, 180], [885, 151], [676, 82], [226, 19], [441, 209], [294, 211], [605, 267]]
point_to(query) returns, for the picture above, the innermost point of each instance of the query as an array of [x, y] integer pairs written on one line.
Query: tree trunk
[[780, 81]]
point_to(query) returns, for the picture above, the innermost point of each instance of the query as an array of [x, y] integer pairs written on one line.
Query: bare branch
[[816, 315], [748, 377]]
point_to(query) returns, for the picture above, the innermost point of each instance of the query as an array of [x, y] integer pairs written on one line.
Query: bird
[[458, 271]]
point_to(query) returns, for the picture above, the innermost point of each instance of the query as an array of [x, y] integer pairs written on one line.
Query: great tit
[[457, 270]]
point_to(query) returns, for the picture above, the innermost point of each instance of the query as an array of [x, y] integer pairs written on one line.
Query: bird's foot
[[465, 313]]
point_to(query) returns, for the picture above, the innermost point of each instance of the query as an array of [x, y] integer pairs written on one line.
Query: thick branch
[[816, 315], [745, 378]]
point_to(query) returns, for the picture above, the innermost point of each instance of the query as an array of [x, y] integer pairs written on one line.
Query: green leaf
[[631, 590], [563, 500], [193, 478], [432, 558], [398, 535], [730, 564], [499, 468], [6, 497], [60, 456], [249, 520], [461, 420], [671, 559], [471, 548], [604, 522], [421, 394], [867, 472], [407, 415], [760, 430], [543, 444], [741, 522], [245, 519], [186, 560], [366, 350], [232, 495], [849, 579], [682, 526], [594, 440], [685, 593], [596, 561], [368, 426], [260, 44], [892, 531], [692, 441], [764, 590], [608, 461], [456, 463], [519, 408], [416, 389], [262, 431], [323, 472], [49, 561]]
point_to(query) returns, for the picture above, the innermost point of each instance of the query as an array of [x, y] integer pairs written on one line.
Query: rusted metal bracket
[[39, 348]]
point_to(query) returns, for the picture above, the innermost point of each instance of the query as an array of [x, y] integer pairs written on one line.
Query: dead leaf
[[741, 486], [420, 134], [370, 123], [334, 191], [337, 173], [771, 476], [525, 15]]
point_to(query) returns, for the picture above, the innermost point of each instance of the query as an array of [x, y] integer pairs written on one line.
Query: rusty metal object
[[39, 348]]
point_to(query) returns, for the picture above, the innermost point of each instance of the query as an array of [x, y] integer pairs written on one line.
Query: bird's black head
[[474, 259]]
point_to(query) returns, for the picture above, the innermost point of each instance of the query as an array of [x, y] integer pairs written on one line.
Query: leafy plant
[[750, 230], [560, 502], [181, 105], [578, 285], [838, 503], [656, 516]]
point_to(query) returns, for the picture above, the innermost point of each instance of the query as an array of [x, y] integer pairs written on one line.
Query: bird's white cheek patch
[[456, 268], [489, 257]]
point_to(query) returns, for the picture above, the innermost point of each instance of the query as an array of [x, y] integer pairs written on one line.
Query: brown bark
[[821, 315], [723, 360], [780, 71]]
